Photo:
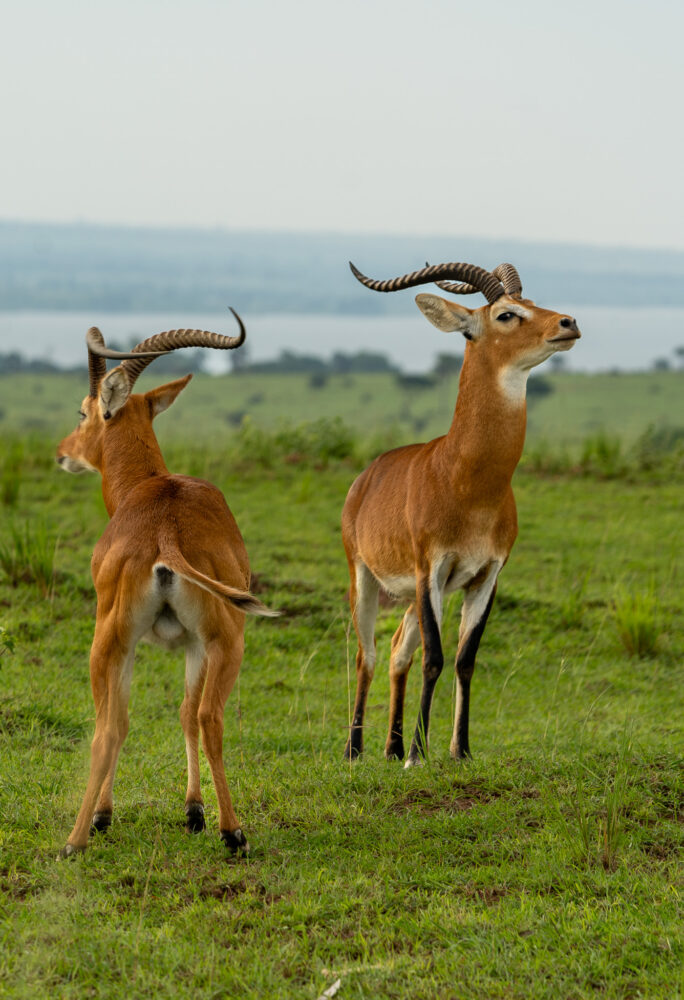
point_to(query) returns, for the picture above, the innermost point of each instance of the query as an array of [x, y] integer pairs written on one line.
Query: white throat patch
[[513, 383]]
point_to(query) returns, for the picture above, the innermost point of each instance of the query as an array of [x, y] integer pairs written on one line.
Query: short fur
[[171, 567], [427, 519]]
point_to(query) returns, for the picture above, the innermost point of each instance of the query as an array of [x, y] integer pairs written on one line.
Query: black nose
[[569, 323]]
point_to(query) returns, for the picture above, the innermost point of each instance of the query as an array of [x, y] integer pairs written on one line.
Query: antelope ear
[[114, 391], [448, 316], [160, 399]]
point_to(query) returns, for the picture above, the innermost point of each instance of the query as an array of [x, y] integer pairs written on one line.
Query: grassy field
[[548, 866], [580, 405]]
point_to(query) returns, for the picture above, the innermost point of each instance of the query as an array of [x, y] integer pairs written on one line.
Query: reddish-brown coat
[[184, 525], [426, 517]]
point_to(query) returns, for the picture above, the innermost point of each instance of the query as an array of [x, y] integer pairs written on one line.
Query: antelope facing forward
[[428, 519], [171, 567]]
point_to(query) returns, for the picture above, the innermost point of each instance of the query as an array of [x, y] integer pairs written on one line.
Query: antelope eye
[[81, 414], [505, 317]]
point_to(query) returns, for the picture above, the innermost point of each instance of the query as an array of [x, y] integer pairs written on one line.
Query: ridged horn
[[134, 362], [469, 274], [456, 288], [510, 279], [97, 365]]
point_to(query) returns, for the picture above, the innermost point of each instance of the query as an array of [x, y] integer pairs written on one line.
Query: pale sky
[[529, 120]]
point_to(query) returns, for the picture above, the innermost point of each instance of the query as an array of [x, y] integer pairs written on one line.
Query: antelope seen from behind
[[170, 567], [427, 519]]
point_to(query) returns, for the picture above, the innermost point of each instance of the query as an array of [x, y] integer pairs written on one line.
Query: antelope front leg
[[429, 608], [476, 607], [111, 667]]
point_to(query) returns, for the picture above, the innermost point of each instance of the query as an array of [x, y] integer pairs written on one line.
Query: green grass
[[549, 866], [579, 406]]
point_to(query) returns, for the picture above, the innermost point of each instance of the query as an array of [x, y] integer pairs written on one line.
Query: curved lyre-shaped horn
[[510, 279], [97, 365], [473, 278], [136, 360]]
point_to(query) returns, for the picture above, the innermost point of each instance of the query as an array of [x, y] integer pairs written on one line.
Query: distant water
[[628, 339]]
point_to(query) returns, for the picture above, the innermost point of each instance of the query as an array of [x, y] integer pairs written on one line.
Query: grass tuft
[[594, 831], [637, 620], [27, 555], [11, 475]]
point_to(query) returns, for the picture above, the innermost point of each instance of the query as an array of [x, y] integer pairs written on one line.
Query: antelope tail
[[174, 560]]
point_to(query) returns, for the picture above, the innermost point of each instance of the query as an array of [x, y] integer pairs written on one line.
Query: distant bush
[[320, 442], [602, 455], [415, 382], [291, 363], [546, 459], [361, 362], [538, 386], [288, 363], [660, 446], [235, 417], [659, 452], [447, 365], [318, 380]]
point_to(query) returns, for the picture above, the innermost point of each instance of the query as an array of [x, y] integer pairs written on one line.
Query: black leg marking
[[465, 667], [235, 841], [101, 822], [354, 747], [433, 662], [394, 748], [462, 743], [194, 812]]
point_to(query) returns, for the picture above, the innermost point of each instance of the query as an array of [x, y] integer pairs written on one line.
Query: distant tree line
[[289, 362], [14, 362]]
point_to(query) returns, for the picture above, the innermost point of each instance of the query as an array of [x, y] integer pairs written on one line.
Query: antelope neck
[[128, 458], [487, 433]]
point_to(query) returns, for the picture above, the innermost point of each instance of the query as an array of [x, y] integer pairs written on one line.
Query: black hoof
[[394, 749], [101, 822], [352, 752], [235, 841], [194, 812], [68, 851]]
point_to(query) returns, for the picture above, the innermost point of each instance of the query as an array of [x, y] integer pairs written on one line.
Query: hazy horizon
[[627, 340], [210, 228]]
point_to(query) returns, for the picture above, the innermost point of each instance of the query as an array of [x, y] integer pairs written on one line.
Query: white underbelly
[[448, 574]]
